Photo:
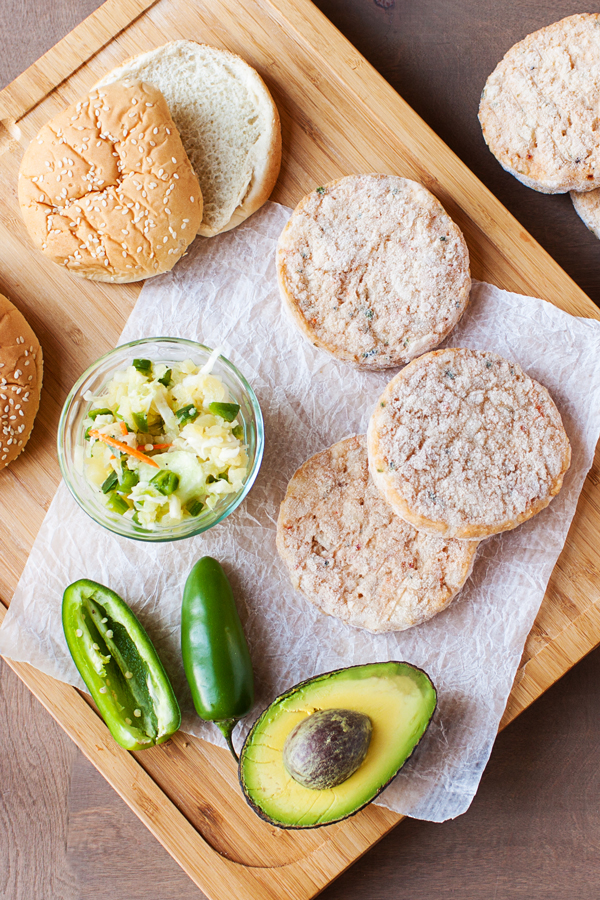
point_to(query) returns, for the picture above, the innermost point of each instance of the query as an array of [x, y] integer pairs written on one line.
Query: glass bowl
[[71, 440]]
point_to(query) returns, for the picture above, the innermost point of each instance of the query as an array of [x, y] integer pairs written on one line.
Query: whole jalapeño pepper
[[119, 665], [215, 654]]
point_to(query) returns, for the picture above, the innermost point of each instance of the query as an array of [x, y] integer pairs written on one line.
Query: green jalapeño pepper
[[215, 654], [119, 665]]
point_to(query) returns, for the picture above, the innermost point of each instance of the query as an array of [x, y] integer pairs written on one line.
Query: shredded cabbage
[[166, 425]]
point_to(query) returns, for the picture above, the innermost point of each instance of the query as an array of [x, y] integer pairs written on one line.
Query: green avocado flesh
[[399, 700]]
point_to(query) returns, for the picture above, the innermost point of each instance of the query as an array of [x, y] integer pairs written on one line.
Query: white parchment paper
[[225, 292]]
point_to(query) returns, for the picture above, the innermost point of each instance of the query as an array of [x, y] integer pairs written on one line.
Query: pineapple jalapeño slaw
[[163, 442]]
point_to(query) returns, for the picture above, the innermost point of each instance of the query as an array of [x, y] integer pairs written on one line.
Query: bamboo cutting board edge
[[539, 672], [301, 879]]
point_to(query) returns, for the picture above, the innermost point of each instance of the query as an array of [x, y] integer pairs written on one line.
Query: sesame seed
[[191, 199], [173, 160]]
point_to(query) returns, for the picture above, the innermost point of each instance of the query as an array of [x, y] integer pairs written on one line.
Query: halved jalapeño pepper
[[119, 665]]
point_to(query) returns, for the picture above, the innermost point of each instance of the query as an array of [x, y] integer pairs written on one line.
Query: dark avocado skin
[[301, 686]]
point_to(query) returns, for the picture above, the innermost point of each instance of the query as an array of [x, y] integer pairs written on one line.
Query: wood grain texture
[[35, 769], [572, 630]]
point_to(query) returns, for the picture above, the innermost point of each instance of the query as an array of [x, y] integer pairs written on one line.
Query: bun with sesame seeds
[[106, 189], [227, 120], [20, 381]]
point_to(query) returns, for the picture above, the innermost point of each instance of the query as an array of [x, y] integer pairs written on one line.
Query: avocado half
[[399, 699]]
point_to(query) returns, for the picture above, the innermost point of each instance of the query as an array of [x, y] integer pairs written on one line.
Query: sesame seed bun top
[[106, 188], [20, 381]]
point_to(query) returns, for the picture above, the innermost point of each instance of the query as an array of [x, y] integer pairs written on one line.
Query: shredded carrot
[[123, 428], [161, 446], [124, 448]]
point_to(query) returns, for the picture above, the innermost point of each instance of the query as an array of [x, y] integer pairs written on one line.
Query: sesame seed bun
[[20, 381], [106, 189], [227, 120]]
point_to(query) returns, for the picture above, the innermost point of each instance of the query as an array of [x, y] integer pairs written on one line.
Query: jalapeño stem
[[226, 727]]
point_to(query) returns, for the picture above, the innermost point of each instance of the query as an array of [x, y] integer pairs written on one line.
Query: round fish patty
[[587, 207], [463, 443], [351, 556], [539, 107], [373, 270]]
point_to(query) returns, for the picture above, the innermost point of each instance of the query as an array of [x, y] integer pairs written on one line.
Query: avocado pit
[[327, 747]]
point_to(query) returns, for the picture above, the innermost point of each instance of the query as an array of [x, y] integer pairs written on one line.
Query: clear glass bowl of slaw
[[71, 434]]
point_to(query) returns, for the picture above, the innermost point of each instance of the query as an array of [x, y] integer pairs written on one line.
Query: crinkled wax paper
[[224, 292]]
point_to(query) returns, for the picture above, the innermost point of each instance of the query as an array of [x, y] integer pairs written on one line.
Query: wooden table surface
[[534, 827]]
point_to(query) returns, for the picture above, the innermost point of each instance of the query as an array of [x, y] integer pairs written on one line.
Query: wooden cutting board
[[339, 116]]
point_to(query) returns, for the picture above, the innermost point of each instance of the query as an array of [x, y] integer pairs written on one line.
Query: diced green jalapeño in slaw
[[163, 442]]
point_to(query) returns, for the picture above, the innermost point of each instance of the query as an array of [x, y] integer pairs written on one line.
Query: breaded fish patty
[[464, 444], [373, 270], [351, 556], [539, 107]]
